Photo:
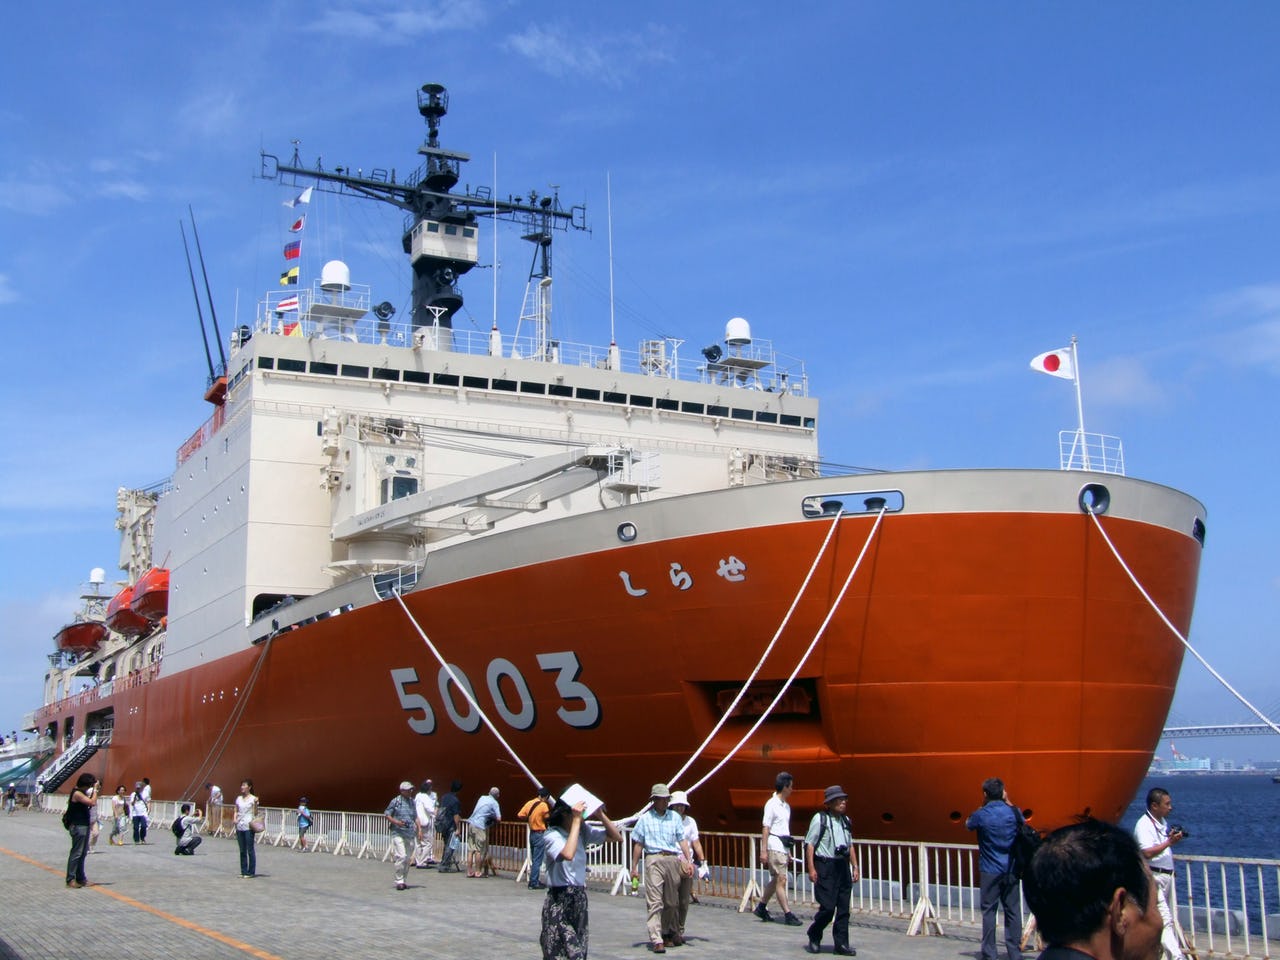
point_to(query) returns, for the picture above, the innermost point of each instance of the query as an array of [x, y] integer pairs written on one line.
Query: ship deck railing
[[1227, 906], [754, 365]]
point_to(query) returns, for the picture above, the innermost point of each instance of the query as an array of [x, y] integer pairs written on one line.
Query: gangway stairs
[[71, 760]]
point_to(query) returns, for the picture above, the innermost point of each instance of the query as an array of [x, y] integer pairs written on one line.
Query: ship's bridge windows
[[445, 379], [385, 373], [417, 376], [790, 420], [350, 370], [292, 366], [690, 407], [852, 504], [766, 416], [666, 403], [508, 385], [527, 386], [476, 383], [611, 396], [432, 226], [266, 363], [587, 393], [715, 410], [741, 414], [559, 390], [328, 369], [398, 487], [640, 401]]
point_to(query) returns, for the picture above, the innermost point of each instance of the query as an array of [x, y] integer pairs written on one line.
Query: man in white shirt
[[424, 805], [1156, 840], [774, 854]]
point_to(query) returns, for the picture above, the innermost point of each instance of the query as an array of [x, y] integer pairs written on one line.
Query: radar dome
[[335, 276], [97, 576], [737, 332]]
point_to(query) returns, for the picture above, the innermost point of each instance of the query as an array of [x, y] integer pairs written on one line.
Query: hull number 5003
[[579, 706]]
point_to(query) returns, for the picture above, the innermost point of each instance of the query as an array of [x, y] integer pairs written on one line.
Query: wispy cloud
[[7, 293], [560, 52], [399, 25], [128, 189], [211, 113], [33, 199]]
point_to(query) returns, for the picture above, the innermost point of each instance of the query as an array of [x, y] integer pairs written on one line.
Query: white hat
[[679, 797], [406, 785]]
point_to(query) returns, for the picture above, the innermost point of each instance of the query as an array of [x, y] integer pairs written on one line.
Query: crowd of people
[[1120, 896]]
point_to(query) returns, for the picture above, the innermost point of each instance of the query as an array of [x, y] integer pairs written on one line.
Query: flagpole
[[1075, 367]]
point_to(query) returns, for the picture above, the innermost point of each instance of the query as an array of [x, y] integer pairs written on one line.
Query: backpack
[[444, 820], [177, 829], [1025, 843], [66, 817]]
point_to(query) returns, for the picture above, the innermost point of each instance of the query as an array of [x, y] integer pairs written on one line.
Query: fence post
[[753, 888], [925, 916]]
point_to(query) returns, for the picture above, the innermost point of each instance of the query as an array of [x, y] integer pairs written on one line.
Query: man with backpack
[[997, 822], [185, 829], [832, 863]]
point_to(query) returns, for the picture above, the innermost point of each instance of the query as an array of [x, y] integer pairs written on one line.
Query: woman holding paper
[[564, 914]]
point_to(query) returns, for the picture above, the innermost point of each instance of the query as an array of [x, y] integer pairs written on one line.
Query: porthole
[[627, 532], [1094, 498], [954, 815], [886, 818]]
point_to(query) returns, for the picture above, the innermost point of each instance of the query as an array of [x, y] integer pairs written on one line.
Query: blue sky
[[915, 197]]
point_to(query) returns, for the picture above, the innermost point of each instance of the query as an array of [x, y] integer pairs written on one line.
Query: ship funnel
[[335, 277], [737, 332]]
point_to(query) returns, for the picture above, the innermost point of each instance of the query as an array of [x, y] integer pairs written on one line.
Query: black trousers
[[833, 890]]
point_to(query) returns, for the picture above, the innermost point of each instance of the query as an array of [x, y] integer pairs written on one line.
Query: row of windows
[[532, 387]]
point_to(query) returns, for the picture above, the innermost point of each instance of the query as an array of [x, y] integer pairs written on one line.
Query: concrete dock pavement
[[144, 903]]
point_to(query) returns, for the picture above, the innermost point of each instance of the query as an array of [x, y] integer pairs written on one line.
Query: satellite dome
[[737, 332], [335, 277]]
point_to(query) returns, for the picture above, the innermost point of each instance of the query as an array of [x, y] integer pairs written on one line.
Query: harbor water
[[1226, 815]]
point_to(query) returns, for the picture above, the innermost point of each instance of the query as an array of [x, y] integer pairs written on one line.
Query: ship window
[[586, 393], [790, 420], [479, 383], [468, 232], [349, 370], [560, 390], [765, 416], [528, 387], [612, 397], [450, 230], [385, 373], [715, 410], [330, 369], [740, 414], [666, 403], [266, 363], [862, 502], [417, 376], [293, 366], [810, 423], [639, 401], [264, 602], [396, 488], [688, 407], [433, 227], [445, 379], [508, 385]]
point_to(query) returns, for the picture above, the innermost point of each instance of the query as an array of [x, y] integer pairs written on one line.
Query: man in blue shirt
[[997, 824], [658, 836]]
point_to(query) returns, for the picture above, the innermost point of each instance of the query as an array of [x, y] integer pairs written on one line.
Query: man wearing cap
[[658, 835], [535, 814], [404, 830], [680, 804], [832, 864], [996, 822]]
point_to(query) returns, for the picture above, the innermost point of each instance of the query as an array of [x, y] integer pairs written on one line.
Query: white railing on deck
[[1090, 451], [1227, 907]]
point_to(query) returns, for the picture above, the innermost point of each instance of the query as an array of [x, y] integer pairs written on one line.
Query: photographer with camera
[[996, 823], [1156, 838], [832, 864]]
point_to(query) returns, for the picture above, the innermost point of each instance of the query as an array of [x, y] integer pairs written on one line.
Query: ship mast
[[440, 226]]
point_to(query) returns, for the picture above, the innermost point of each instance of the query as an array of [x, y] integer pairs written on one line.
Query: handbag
[[257, 826]]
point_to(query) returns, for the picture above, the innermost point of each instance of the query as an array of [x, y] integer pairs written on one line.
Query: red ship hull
[[967, 646]]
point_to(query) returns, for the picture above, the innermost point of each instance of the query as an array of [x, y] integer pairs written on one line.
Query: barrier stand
[[924, 918], [753, 890]]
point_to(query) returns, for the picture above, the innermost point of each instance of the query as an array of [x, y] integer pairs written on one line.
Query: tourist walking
[[564, 912], [996, 822], [10, 798], [84, 796], [832, 864], [304, 823], [424, 805], [248, 826], [1156, 839], [119, 817], [404, 831], [775, 854], [535, 813], [140, 811], [658, 836], [482, 820], [680, 804]]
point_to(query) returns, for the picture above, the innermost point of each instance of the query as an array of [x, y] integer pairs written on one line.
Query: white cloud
[[399, 25], [35, 199], [211, 114], [128, 189], [611, 59], [1123, 382], [7, 293]]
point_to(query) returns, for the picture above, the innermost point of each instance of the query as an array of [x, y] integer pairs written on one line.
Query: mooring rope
[[724, 717], [1176, 632], [229, 727], [462, 687]]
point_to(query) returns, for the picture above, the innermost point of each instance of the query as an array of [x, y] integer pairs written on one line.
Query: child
[[304, 823]]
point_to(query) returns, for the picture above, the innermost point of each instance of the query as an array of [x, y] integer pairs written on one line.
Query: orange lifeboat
[[122, 619], [81, 636], [151, 594]]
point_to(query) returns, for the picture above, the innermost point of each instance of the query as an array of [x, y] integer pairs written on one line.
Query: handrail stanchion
[[924, 917]]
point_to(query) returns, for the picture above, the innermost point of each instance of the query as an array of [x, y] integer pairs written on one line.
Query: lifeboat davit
[[151, 594], [81, 636], [122, 619]]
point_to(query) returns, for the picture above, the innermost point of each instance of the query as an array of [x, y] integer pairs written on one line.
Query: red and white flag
[[1056, 363], [298, 224], [287, 303]]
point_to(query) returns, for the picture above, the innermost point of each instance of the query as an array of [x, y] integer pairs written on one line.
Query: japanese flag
[[1056, 363]]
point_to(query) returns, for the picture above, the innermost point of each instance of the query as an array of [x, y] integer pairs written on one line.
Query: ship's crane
[[440, 226]]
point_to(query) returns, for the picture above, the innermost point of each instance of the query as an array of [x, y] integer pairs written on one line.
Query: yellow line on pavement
[[147, 908]]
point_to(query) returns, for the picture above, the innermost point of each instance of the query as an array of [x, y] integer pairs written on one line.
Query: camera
[[1179, 828], [842, 851]]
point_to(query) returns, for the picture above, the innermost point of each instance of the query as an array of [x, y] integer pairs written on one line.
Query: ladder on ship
[[71, 760]]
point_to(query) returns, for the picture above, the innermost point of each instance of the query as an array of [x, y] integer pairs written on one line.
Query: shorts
[[779, 863], [478, 841]]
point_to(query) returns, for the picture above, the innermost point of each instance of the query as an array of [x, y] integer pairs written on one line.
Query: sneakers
[[811, 947], [791, 920], [402, 886], [658, 947], [763, 913], [846, 952]]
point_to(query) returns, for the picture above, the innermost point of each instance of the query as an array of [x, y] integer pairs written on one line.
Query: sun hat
[[679, 798], [660, 791], [406, 785], [834, 793]]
